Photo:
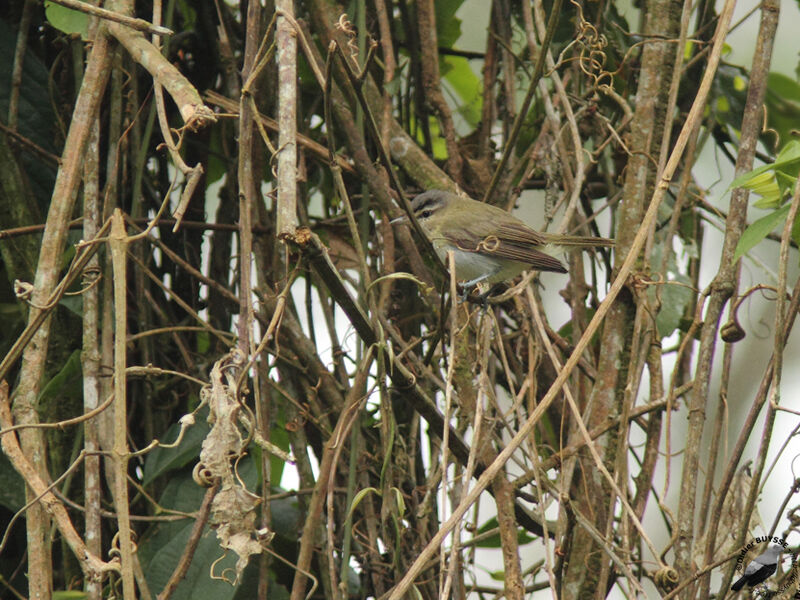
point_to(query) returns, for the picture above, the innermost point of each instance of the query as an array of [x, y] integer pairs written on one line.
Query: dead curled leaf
[[233, 510]]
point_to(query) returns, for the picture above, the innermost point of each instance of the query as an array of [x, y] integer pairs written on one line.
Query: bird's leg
[[465, 292], [467, 287], [483, 298]]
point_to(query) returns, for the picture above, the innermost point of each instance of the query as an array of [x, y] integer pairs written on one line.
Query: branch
[[196, 115], [110, 15], [92, 566], [286, 40]]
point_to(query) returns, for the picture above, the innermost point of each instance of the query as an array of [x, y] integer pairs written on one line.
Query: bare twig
[[110, 15], [287, 120]]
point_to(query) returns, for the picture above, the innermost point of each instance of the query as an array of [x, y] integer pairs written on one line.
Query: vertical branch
[[444, 585], [119, 455], [576, 180], [618, 366], [287, 120], [722, 288], [501, 15], [35, 354], [489, 77], [91, 358], [247, 179], [389, 67], [751, 130]]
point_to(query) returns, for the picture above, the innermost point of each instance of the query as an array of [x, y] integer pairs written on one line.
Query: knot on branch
[[398, 147], [198, 117]]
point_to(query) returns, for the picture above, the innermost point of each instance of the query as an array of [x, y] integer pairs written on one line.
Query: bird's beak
[[403, 219]]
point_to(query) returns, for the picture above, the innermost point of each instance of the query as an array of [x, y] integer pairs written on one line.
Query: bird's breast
[[475, 265]]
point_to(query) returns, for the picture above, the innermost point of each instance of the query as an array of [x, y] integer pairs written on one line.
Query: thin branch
[[286, 40], [110, 15]]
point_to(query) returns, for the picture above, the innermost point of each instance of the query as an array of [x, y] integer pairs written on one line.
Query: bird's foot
[[481, 299], [466, 290]]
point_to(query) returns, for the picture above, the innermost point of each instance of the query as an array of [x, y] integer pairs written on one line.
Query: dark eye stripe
[[428, 204]]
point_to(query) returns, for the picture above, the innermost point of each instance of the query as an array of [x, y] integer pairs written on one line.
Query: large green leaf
[[67, 20], [760, 229], [463, 81], [197, 584], [162, 545], [67, 380], [448, 26]]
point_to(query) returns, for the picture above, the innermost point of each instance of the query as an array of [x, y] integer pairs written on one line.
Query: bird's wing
[[511, 241], [752, 567], [770, 557], [513, 231]]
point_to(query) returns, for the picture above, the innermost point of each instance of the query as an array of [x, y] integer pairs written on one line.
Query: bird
[[489, 245], [759, 569]]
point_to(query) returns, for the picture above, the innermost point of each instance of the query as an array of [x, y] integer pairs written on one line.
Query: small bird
[[759, 569], [489, 245]]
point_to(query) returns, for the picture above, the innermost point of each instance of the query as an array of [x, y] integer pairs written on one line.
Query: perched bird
[[759, 569], [489, 245]]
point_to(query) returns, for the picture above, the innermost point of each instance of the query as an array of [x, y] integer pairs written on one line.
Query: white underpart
[[473, 267]]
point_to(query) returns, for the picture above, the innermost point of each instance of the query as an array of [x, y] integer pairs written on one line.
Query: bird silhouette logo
[[760, 568]]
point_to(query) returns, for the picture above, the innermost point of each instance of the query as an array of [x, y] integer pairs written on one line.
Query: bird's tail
[[577, 241], [739, 584]]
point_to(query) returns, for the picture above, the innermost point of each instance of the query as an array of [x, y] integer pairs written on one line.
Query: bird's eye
[[425, 214]]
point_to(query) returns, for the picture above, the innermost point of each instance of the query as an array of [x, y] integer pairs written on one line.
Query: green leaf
[[37, 120], [448, 26], [67, 380], [216, 168], [359, 497], [69, 595], [280, 437], [493, 541], [393, 86], [787, 157], [796, 231], [782, 107], [399, 501], [674, 300], [159, 562], [67, 20], [758, 230], [463, 81]]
